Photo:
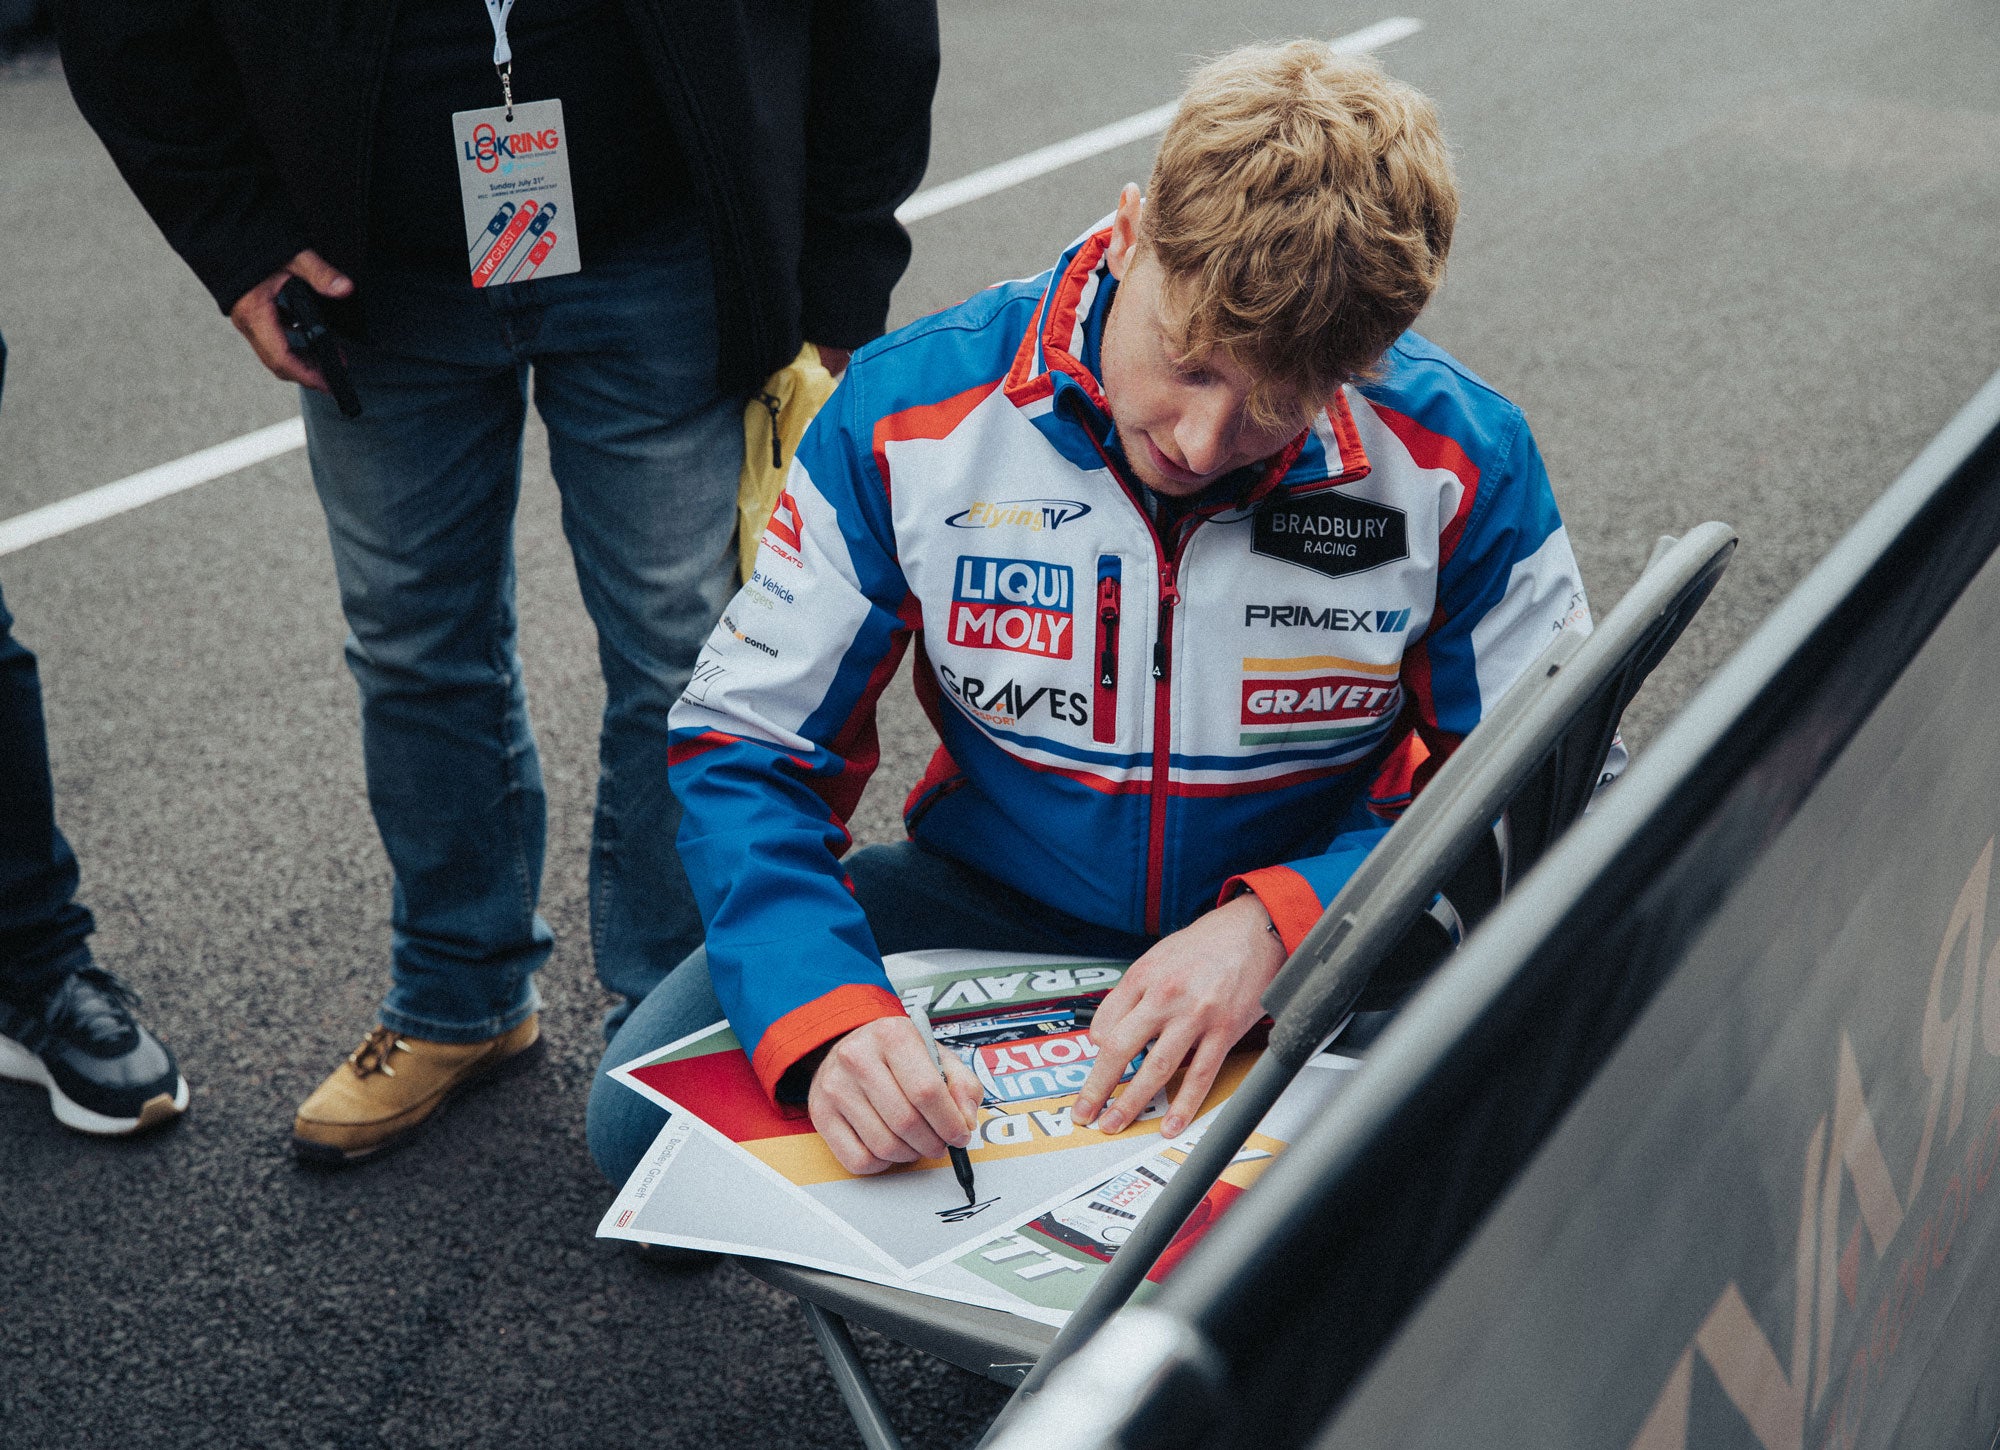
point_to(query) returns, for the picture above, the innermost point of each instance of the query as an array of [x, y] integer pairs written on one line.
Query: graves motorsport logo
[[1315, 698], [1012, 604], [1012, 703], [1332, 534], [1033, 514]]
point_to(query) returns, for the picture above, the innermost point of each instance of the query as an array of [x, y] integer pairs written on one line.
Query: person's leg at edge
[[66, 1024], [43, 929], [646, 453], [915, 899], [420, 493]]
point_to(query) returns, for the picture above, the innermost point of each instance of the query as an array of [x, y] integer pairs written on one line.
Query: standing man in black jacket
[[728, 178]]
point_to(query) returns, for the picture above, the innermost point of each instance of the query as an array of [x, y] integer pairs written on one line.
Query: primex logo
[[1775, 1397], [1021, 605], [1344, 621], [1315, 698]]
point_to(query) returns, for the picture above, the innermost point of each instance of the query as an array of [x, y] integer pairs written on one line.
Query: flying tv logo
[[1022, 605], [1033, 514], [1315, 699]]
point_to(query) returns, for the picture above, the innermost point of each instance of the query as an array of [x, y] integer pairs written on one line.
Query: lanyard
[[503, 55]]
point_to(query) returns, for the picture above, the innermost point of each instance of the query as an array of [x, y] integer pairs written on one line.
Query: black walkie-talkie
[[307, 334]]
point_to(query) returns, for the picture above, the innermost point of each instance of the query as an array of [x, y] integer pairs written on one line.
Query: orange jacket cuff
[[803, 1030], [1288, 897]]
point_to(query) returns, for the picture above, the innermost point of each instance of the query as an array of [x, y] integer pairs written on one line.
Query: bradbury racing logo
[[1315, 698], [1021, 605], [1332, 534], [1033, 514]]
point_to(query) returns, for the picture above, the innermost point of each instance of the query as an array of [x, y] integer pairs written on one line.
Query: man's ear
[[1124, 231]]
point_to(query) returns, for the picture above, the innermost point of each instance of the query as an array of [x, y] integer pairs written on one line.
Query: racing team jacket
[[1130, 725]]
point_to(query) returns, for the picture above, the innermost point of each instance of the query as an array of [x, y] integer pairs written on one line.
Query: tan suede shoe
[[392, 1083]]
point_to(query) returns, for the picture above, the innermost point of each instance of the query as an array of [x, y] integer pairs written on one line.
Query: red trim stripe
[[928, 420], [1434, 450], [1294, 907], [857, 742], [818, 1022], [1058, 322], [679, 751]]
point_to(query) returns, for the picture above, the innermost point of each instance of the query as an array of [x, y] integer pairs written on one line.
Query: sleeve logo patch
[[1333, 534], [1022, 605], [785, 534]]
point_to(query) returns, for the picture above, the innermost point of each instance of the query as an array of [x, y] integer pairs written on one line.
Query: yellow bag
[[773, 423]]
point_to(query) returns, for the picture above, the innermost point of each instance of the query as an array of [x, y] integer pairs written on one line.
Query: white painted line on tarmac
[[985, 183], [111, 499], [101, 503]]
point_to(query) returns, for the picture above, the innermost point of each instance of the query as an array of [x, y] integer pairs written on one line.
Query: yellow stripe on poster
[[1241, 1173], [1322, 662], [1024, 1130]]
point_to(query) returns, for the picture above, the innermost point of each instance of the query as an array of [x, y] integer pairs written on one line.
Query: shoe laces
[[373, 1053], [94, 1007]]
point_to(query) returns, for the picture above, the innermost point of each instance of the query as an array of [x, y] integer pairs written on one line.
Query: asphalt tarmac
[[1736, 262]]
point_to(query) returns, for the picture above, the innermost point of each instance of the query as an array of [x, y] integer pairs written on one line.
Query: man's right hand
[[256, 316], [877, 1098]]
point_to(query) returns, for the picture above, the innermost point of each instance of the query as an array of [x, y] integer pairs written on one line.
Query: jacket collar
[[1050, 383]]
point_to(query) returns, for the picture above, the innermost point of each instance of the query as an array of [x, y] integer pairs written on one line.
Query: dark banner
[[1773, 1219]]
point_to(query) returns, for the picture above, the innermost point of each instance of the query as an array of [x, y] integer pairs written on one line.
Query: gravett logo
[[1316, 698], [1012, 604], [1032, 514], [488, 149], [1333, 535]]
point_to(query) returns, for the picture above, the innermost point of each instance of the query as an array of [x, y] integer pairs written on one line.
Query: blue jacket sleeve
[[773, 742]]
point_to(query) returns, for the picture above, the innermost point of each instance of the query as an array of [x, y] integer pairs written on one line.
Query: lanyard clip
[[506, 74]]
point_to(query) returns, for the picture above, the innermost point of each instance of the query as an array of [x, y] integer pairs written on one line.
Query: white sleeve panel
[[1544, 596], [773, 657]]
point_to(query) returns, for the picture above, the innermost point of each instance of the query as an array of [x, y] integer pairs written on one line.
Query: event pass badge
[[513, 177]]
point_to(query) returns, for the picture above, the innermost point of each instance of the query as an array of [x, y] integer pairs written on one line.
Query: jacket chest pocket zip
[[1104, 693]]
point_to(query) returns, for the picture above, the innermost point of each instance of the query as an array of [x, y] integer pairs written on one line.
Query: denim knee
[[620, 1123]]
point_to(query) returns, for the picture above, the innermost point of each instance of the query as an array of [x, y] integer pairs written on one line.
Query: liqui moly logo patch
[[1039, 1067], [1021, 605]]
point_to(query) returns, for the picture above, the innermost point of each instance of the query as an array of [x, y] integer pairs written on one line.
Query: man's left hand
[[1192, 997]]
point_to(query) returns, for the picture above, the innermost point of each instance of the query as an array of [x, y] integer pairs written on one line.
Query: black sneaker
[[105, 1073]]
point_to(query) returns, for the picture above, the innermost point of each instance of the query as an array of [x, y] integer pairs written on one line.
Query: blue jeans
[[43, 931], [420, 496], [914, 899]]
